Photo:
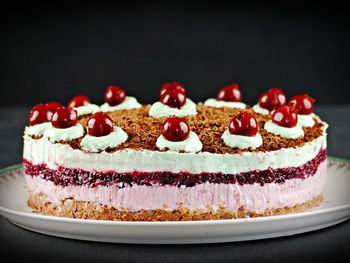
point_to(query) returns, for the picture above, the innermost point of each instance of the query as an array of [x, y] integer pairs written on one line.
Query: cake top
[[218, 123]]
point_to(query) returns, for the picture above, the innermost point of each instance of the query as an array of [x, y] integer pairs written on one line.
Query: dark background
[[56, 52]]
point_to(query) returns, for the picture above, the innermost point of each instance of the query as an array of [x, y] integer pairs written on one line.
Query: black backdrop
[[55, 53]]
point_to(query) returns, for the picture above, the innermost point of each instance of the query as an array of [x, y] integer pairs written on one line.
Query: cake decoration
[[79, 101], [37, 129], [52, 107], [38, 114], [304, 104], [83, 105], [38, 120], [229, 96], [177, 136], [173, 94], [129, 165], [114, 95], [101, 134], [285, 123], [270, 100], [116, 99], [173, 101], [243, 132], [65, 126]]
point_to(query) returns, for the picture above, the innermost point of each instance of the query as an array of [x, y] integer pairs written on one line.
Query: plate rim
[[4, 210]]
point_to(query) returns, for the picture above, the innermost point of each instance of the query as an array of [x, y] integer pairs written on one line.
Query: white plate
[[335, 209]]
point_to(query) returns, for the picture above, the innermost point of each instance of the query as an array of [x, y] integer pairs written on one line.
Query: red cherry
[[172, 86], [272, 99], [64, 118], [99, 125], [304, 104], [230, 92], [52, 107], [175, 129], [114, 95], [173, 98], [285, 116], [79, 101], [244, 124], [38, 114]]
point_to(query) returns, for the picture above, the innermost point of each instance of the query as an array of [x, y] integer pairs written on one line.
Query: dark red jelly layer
[[77, 177]]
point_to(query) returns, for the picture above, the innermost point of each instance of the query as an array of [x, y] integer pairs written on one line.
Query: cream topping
[[127, 104], [38, 129], [220, 104], [260, 110], [240, 141], [159, 109], [289, 133], [191, 144], [66, 134], [87, 109], [306, 120], [96, 144]]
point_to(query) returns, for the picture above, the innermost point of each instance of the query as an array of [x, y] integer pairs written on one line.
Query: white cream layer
[[220, 104], [66, 134], [87, 109], [306, 120], [260, 110], [191, 144], [242, 142], [127, 104], [54, 155], [206, 196], [95, 144], [38, 129], [289, 133], [159, 109]]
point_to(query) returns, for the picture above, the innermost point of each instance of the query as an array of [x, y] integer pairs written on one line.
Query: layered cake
[[175, 159]]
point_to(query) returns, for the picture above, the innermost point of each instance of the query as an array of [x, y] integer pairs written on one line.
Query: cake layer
[[206, 196], [78, 177], [54, 155]]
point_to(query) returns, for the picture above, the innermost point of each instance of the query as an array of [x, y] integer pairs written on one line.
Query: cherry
[[174, 98], [38, 114], [79, 101], [175, 129], [230, 92], [172, 86], [272, 99], [114, 95], [64, 118], [52, 107], [244, 124], [285, 116], [99, 125], [303, 103]]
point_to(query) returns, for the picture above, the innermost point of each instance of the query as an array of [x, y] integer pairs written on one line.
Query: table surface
[[17, 242]]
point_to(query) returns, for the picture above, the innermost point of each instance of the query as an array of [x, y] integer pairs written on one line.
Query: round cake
[[175, 160]]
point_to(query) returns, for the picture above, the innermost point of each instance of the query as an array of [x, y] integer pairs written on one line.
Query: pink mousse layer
[[206, 196]]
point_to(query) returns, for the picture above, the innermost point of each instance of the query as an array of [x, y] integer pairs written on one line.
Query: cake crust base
[[87, 210]]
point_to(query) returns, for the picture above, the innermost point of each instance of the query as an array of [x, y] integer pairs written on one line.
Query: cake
[[175, 160]]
